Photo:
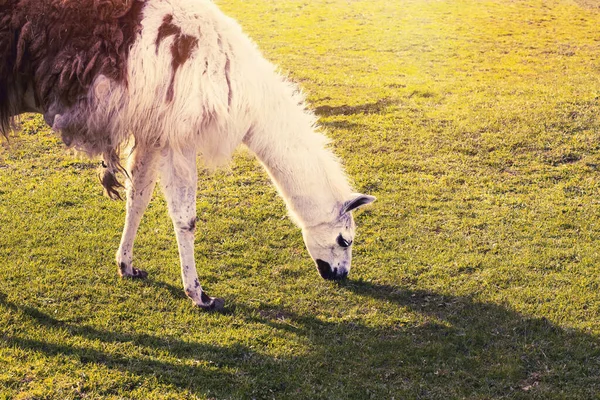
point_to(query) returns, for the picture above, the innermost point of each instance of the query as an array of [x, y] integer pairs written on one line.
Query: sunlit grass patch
[[476, 273]]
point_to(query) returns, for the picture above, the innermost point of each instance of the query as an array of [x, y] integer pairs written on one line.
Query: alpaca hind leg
[[180, 191], [143, 172]]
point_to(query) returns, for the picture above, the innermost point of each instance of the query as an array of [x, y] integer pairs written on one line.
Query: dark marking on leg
[[189, 227], [122, 268], [197, 284], [205, 298], [192, 225]]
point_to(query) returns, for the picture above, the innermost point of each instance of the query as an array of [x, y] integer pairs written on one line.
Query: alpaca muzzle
[[332, 274]]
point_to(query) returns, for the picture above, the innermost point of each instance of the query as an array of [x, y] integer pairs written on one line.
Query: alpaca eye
[[343, 242]]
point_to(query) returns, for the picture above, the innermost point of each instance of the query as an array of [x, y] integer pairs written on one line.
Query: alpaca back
[[199, 80]]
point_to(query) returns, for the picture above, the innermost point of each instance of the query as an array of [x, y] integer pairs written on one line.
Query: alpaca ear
[[357, 201]]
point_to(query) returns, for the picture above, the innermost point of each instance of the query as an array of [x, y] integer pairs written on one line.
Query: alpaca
[[179, 80]]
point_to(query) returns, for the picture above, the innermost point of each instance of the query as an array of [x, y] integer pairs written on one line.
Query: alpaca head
[[330, 244]]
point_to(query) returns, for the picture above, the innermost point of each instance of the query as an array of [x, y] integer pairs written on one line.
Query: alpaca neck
[[307, 174]]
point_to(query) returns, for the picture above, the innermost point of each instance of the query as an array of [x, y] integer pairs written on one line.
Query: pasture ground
[[476, 273]]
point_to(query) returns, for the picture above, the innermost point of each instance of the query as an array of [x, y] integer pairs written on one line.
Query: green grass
[[476, 273]]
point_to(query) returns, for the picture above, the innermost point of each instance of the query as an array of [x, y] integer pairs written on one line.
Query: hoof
[[215, 304], [136, 273]]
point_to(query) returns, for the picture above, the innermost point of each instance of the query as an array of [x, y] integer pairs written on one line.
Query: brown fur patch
[[60, 47], [166, 29], [181, 50]]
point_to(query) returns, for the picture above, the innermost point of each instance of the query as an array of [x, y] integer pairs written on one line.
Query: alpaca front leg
[[179, 188], [143, 173]]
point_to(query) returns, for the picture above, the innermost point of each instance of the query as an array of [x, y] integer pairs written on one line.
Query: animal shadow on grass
[[342, 124], [462, 348], [368, 108]]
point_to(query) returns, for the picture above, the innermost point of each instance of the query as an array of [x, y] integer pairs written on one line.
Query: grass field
[[476, 273]]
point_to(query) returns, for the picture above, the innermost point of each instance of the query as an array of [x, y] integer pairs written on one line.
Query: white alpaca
[[197, 86]]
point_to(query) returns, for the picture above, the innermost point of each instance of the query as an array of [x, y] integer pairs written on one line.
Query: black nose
[[328, 273]]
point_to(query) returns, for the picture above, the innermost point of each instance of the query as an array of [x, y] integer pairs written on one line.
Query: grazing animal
[[179, 79]]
